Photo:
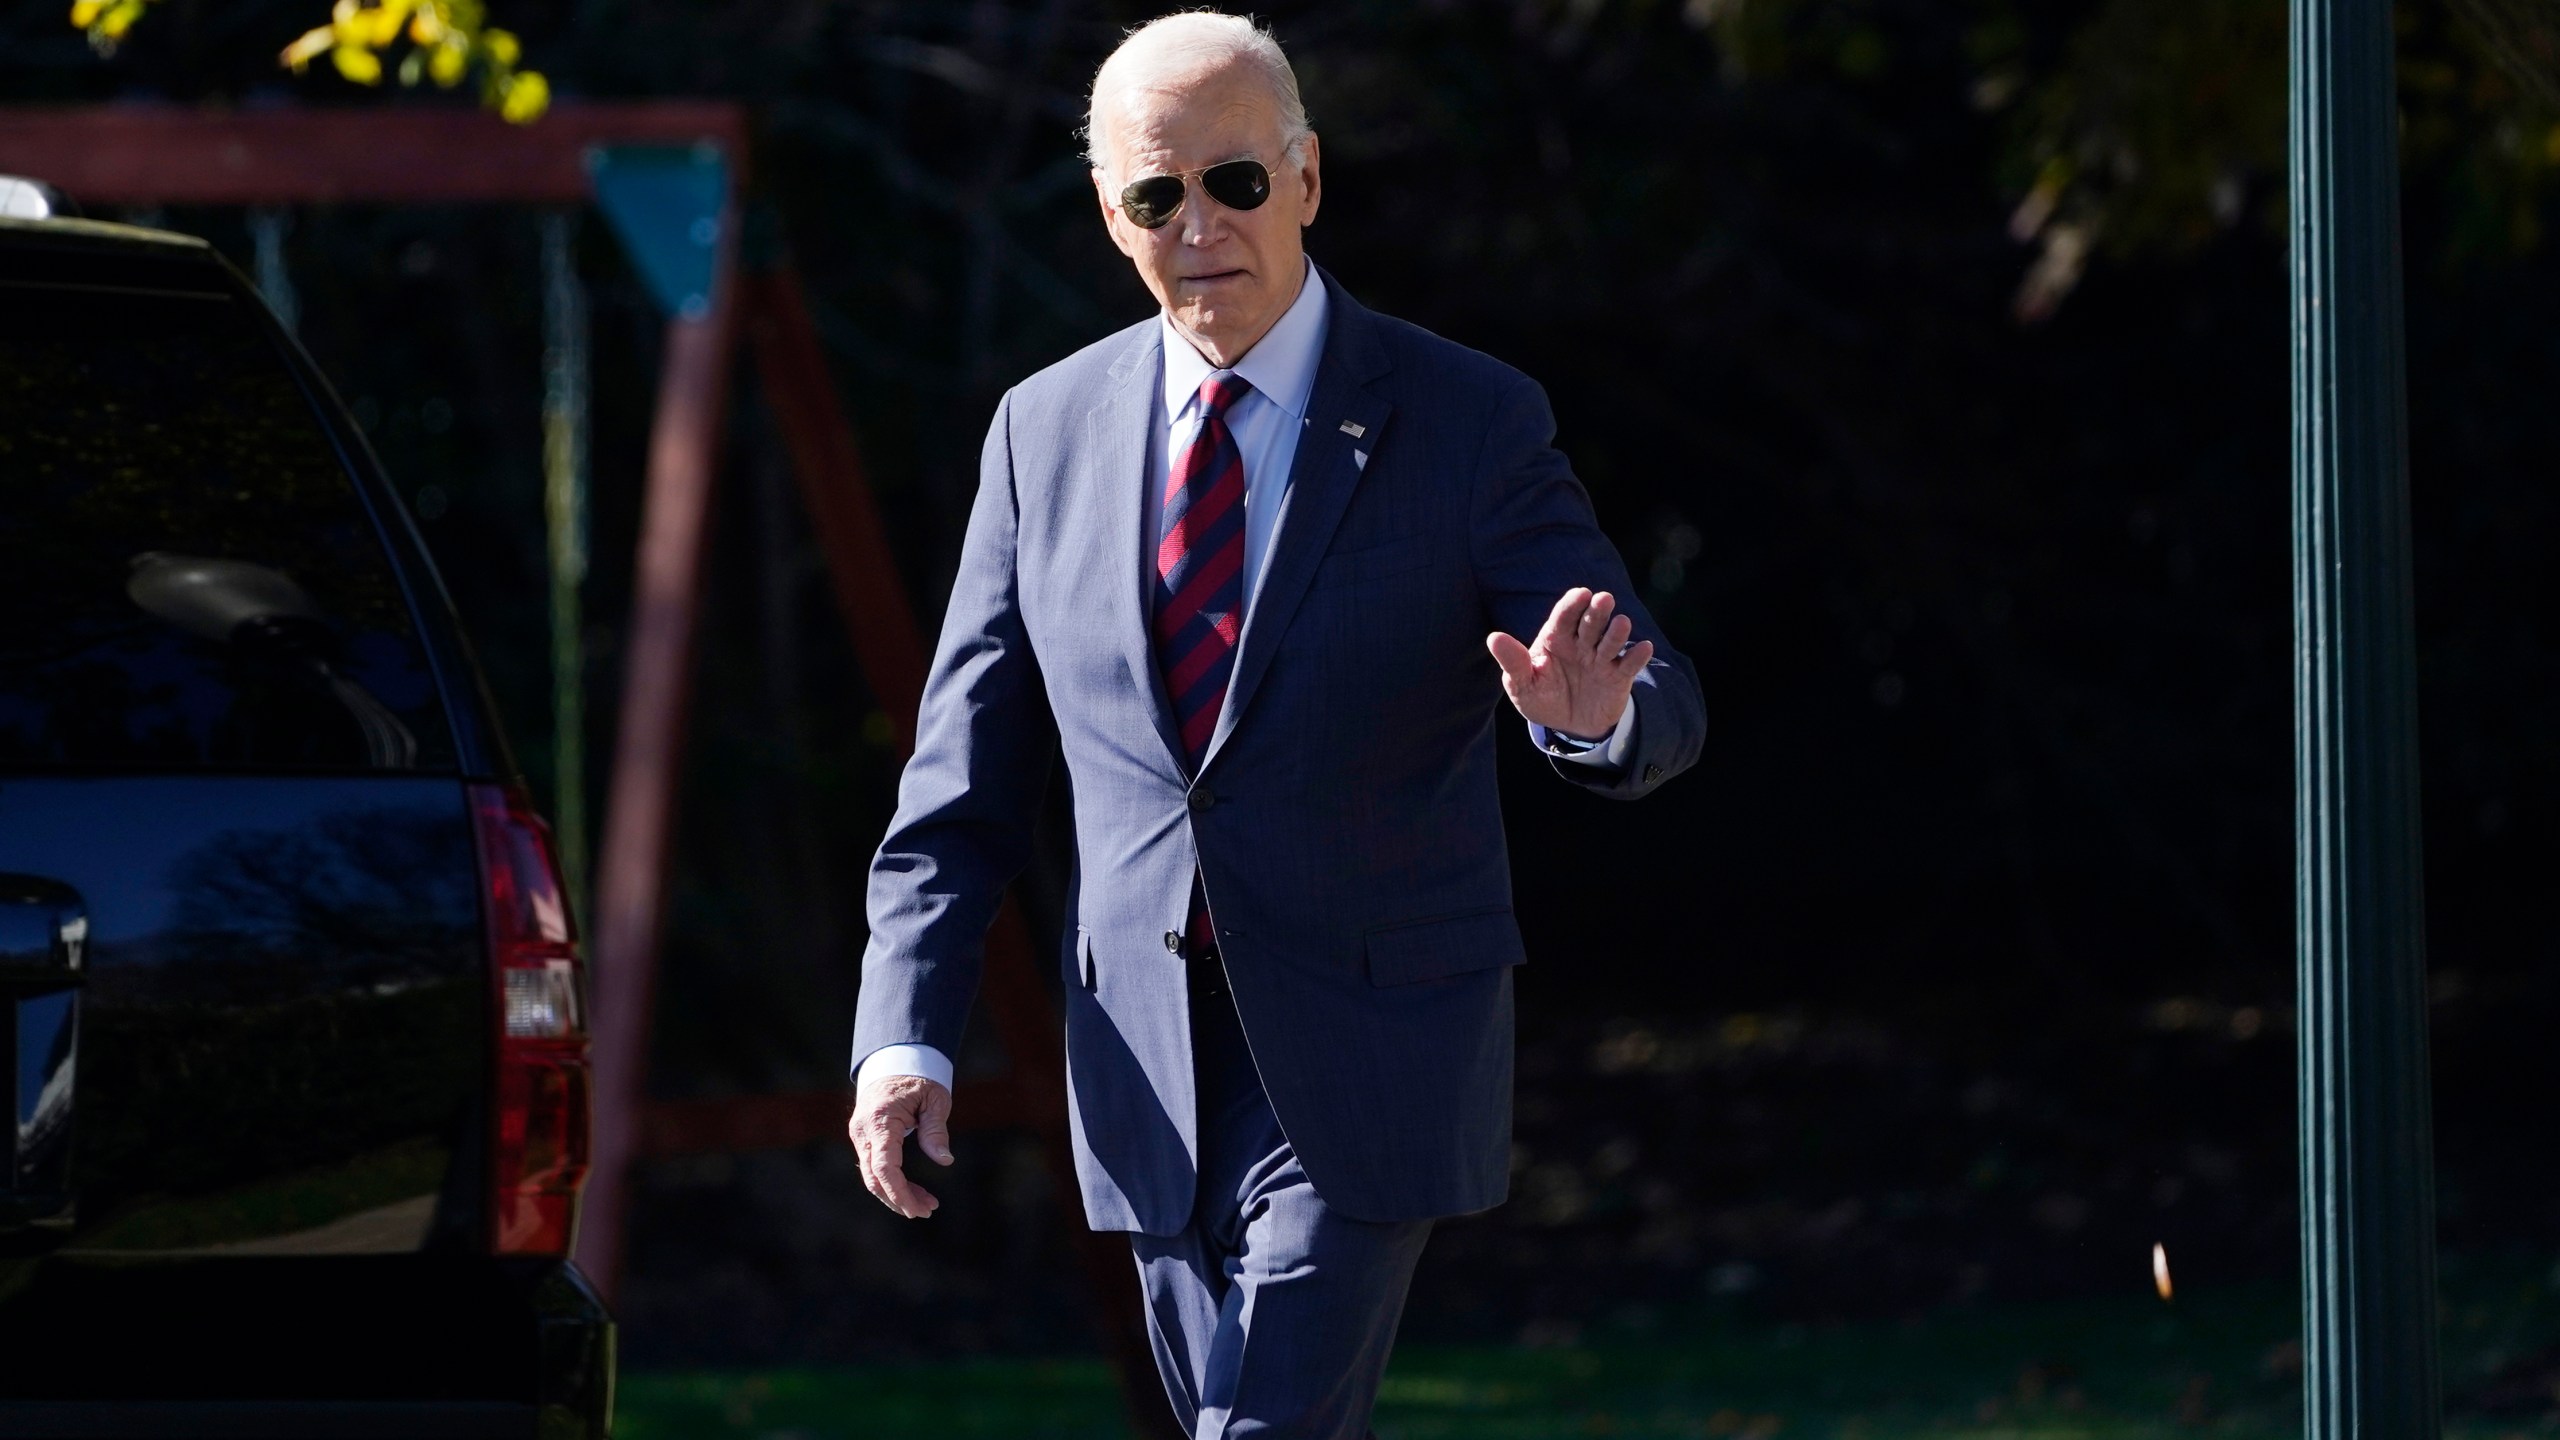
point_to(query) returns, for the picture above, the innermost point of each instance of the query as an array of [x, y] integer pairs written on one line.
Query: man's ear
[[1310, 176], [1110, 213]]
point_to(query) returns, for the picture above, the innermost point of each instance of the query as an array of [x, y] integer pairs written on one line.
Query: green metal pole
[[564, 506], [2368, 1200]]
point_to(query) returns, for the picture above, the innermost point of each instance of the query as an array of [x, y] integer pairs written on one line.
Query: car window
[[188, 579]]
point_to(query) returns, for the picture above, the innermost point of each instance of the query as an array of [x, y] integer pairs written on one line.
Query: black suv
[[290, 1000]]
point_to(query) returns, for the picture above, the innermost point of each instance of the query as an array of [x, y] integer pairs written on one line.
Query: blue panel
[[663, 202]]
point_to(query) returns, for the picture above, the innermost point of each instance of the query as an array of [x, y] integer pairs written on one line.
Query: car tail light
[[538, 1133]]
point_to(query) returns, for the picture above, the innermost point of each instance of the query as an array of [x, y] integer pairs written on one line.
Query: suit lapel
[[1119, 429], [1322, 479]]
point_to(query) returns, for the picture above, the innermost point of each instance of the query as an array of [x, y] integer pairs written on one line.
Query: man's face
[[1225, 276]]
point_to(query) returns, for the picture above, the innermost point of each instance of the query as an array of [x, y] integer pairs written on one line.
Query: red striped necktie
[[1199, 601]]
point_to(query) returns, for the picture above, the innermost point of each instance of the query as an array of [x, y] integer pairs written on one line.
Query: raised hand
[[885, 1112], [1576, 675]]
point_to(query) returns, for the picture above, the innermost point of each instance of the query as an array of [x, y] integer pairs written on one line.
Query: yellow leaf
[[119, 18], [502, 47], [446, 65], [307, 47], [358, 64], [86, 11], [387, 19], [528, 95], [423, 29]]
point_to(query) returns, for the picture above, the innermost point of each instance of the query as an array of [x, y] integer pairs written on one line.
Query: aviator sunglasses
[[1237, 184]]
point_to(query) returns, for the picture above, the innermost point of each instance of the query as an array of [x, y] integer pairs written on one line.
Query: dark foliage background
[[1926, 357]]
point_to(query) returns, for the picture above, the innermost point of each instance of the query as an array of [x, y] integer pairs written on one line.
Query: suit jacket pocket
[[1446, 945]]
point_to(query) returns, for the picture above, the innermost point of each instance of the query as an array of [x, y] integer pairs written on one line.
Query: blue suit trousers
[[1271, 1314]]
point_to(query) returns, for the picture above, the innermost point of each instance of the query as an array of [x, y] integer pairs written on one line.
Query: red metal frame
[[401, 154], [648, 750]]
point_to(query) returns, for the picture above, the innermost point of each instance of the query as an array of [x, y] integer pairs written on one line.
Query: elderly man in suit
[[1260, 564]]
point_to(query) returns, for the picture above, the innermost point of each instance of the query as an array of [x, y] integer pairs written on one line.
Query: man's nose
[[1204, 221]]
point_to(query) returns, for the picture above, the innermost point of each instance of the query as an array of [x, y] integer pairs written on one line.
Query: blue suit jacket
[[1344, 817]]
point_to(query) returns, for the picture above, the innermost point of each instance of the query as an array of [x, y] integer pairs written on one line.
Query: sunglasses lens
[[1238, 184], [1150, 202]]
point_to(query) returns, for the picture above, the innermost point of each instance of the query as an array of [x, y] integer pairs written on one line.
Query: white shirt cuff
[[919, 1060], [1611, 752]]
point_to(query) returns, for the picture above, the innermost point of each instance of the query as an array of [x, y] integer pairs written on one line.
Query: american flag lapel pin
[[1354, 429]]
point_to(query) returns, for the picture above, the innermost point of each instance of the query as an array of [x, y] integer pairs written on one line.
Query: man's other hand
[[885, 1112], [1576, 675]]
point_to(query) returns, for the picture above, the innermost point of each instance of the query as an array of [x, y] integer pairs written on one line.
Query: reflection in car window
[[187, 577]]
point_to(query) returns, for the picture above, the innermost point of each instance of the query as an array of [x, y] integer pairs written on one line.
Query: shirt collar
[[1281, 366]]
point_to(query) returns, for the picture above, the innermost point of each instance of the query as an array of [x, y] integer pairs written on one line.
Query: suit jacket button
[[1173, 942], [1652, 773], [1202, 797]]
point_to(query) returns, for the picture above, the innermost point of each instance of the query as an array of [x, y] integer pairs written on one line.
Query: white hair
[[1187, 43]]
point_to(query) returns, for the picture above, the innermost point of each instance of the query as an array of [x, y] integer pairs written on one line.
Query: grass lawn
[[2212, 1365]]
